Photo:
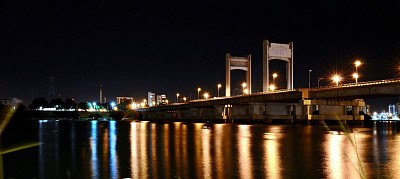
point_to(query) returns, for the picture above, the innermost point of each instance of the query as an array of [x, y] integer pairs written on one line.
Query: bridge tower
[[275, 51], [237, 63]]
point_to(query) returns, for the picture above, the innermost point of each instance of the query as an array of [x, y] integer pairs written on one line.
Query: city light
[[184, 99], [272, 87], [336, 79], [198, 93], [355, 75], [244, 87], [206, 95], [219, 86], [94, 105], [274, 76], [357, 63], [177, 97], [133, 105]]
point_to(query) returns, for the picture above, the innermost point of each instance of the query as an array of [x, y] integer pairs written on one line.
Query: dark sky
[[132, 47]]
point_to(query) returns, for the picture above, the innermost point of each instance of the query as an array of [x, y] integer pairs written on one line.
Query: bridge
[[343, 102]]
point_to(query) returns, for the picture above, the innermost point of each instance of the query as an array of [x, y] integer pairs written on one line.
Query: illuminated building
[[127, 100], [161, 99], [151, 99]]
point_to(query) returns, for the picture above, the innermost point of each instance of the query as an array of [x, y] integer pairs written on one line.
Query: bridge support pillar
[[323, 111]]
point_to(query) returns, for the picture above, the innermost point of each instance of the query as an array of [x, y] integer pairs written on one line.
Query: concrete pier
[[303, 112]]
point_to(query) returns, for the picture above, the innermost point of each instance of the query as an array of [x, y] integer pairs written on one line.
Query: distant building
[[151, 99], [162, 99], [127, 100], [14, 102], [154, 100]]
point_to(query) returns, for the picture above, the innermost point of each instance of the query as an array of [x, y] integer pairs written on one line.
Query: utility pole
[[51, 94]]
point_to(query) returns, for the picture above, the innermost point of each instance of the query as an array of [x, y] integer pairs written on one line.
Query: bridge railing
[[347, 85], [226, 97], [366, 83]]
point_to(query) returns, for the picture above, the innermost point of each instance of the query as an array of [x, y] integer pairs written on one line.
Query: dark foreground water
[[91, 149]]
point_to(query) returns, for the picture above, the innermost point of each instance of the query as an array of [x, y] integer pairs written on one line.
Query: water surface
[[123, 149]]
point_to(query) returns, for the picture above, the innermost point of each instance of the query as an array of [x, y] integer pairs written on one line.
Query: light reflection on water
[[244, 153], [272, 159], [100, 149], [93, 146]]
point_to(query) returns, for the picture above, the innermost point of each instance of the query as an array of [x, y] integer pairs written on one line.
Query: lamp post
[[198, 93], [219, 86], [309, 79], [184, 99], [177, 97], [244, 86], [355, 75], [319, 79]]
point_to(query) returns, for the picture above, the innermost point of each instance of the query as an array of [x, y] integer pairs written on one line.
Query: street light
[[219, 86], [336, 78], [198, 93], [206, 95], [355, 75], [244, 86], [184, 99], [144, 102], [177, 97], [309, 79], [272, 87], [274, 76]]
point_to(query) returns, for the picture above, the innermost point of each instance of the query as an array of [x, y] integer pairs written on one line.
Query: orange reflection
[[272, 160], [166, 148], [134, 151], [183, 154], [341, 157], [138, 145], [219, 155], [244, 146], [394, 159], [206, 159], [143, 153], [197, 143], [154, 147]]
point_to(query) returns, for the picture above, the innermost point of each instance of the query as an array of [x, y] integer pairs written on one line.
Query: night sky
[[131, 47]]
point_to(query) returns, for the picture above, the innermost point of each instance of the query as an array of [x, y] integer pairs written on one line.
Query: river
[[127, 149]]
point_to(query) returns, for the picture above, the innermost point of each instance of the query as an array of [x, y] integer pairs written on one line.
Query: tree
[[83, 105], [58, 103], [69, 104], [38, 102]]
